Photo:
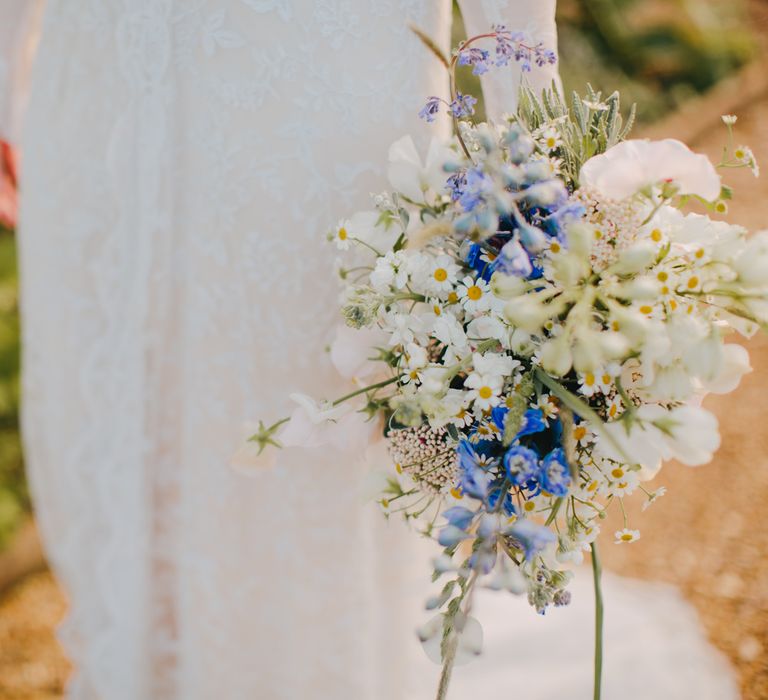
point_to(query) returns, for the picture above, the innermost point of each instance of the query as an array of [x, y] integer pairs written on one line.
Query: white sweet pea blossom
[[734, 366], [314, 424], [390, 271], [632, 165], [409, 175]]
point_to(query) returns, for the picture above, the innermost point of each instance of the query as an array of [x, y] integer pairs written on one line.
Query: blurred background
[[684, 62]]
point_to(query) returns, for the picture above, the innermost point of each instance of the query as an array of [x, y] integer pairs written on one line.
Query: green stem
[[365, 389], [596, 573]]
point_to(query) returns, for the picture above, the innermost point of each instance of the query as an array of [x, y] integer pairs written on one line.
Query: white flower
[[729, 119], [734, 366], [629, 166], [352, 349], [485, 389], [474, 294], [654, 496], [390, 271], [744, 155], [448, 330], [404, 328], [366, 226], [408, 175], [315, 424], [442, 275], [751, 265], [494, 363], [627, 536], [341, 236], [588, 384]]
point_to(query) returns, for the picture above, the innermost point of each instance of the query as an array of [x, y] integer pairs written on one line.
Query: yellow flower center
[[438, 311], [399, 468], [693, 282], [555, 247], [617, 473], [598, 234], [452, 298], [579, 432], [662, 276], [342, 234], [615, 325], [699, 253], [528, 506], [740, 153], [551, 142], [606, 379], [672, 304], [645, 309], [474, 292], [485, 392], [627, 537], [612, 411], [440, 274], [665, 290], [589, 379], [456, 492], [656, 235], [592, 486]]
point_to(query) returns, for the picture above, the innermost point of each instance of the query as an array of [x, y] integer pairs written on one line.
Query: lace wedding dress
[[181, 160]]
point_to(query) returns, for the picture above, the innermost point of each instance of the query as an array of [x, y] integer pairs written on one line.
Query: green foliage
[[14, 498], [591, 125]]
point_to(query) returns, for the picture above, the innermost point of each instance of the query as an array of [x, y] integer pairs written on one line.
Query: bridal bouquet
[[532, 317]]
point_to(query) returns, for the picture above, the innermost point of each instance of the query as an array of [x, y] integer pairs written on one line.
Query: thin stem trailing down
[[596, 574]]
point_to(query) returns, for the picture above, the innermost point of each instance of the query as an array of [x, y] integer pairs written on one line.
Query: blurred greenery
[[657, 53], [14, 498]]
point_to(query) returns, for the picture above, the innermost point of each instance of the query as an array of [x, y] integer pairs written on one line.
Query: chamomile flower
[[546, 404], [340, 235], [654, 496], [474, 294], [484, 390], [442, 274], [550, 139], [744, 155], [626, 536], [588, 384]]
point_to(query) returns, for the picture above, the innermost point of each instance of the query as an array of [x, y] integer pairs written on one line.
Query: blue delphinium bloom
[[459, 517], [463, 105], [533, 538], [451, 535], [475, 57], [430, 109], [555, 476], [456, 184], [513, 260], [473, 480], [476, 186], [558, 221], [522, 465], [533, 422], [507, 505]]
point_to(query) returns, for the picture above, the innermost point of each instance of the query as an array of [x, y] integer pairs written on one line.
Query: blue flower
[[522, 465], [478, 58], [533, 238], [473, 480], [462, 105], [451, 535], [459, 517], [533, 422], [513, 260], [555, 475], [456, 184], [558, 221], [476, 185], [508, 505], [430, 109], [532, 538]]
